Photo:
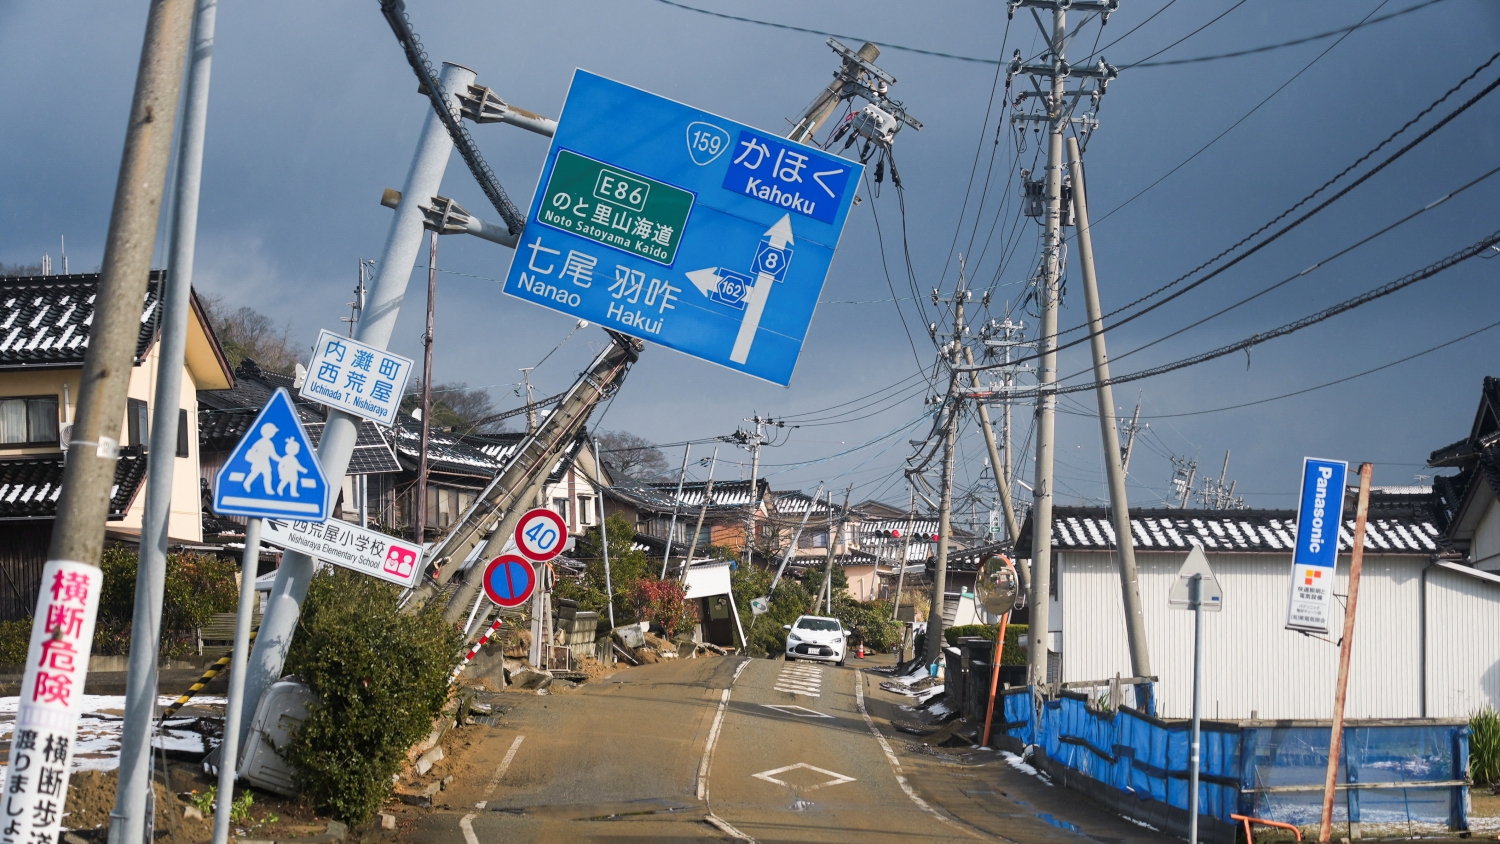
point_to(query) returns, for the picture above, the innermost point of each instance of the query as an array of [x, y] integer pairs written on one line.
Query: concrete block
[[428, 759], [387, 820]]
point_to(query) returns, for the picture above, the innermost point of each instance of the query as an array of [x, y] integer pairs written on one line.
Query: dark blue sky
[[314, 111]]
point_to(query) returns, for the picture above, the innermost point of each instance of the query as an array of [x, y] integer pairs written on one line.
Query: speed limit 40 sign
[[541, 535]]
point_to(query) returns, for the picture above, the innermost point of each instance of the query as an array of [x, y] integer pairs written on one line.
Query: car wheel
[[840, 663], [789, 658]]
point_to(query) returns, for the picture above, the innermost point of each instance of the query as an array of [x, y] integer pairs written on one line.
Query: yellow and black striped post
[[208, 676]]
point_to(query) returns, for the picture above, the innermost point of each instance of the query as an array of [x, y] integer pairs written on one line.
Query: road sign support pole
[[1346, 650], [128, 820], [234, 716], [377, 321], [1119, 504], [1195, 602]]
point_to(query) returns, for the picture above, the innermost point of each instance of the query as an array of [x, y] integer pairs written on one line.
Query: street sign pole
[[377, 322], [229, 751], [1195, 602]]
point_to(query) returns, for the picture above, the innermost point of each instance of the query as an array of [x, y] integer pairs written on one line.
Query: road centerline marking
[[494, 782]]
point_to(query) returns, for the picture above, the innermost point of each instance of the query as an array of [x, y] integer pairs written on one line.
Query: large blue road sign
[[273, 472], [683, 228]]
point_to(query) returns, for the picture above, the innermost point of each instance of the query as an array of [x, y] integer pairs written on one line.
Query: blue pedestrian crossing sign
[[273, 472], [683, 228]]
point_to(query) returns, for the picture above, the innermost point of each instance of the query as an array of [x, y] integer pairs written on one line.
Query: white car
[[817, 638]]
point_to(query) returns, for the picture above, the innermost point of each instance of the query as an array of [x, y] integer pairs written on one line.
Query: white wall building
[[1426, 644]]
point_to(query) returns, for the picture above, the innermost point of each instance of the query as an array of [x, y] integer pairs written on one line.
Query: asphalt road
[[732, 749]]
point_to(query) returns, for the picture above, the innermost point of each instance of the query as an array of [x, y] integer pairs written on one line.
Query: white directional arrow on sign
[[706, 280], [780, 237]]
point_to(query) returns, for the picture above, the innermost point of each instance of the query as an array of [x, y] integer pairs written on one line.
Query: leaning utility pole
[[128, 820], [953, 407], [1057, 116], [420, 529], [1119, 505]]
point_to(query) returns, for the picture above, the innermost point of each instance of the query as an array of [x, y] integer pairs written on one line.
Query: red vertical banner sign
[[41, 750]]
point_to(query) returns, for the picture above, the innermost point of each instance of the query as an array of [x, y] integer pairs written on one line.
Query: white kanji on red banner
[[41, 751]]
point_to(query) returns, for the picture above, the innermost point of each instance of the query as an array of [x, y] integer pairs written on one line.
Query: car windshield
[[817, 624]]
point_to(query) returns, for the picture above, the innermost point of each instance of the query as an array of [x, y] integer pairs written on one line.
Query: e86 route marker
[[541, 534], [509, 580]]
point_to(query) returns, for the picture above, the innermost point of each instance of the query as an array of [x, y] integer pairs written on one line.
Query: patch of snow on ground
[[928, 694], [1024, 767], [940, 708], [97, 745], [1141, 823]]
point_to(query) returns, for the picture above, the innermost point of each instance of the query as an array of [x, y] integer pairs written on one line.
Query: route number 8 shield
[[541, 535]]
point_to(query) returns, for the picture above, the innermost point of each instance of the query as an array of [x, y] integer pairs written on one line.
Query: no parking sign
[[509, 580], [541, 534]]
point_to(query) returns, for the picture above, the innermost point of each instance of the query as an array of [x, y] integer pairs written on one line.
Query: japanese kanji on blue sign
[[1320, 515], [273, 472], [348, 375], [683, 228]]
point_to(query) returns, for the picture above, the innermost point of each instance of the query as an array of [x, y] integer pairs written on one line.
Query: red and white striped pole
[[469, 657]]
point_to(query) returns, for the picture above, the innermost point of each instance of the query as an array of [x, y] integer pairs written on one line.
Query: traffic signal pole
[[376, 324]]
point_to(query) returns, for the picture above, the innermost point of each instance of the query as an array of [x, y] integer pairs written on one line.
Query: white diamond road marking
[[799, 711], [770, 776]]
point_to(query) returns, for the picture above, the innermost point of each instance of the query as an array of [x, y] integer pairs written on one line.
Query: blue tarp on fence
[[1272, 770]]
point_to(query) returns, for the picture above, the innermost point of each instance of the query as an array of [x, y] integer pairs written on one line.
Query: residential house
[[657, 511], [44, 326], [1469, 501]]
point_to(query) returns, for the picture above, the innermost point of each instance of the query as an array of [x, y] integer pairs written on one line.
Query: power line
[[1294, 42], [1297, 222], [1189, 35], [980, 60], [1335, 256], [1256, 339], [1384, 366], [1235, 124]]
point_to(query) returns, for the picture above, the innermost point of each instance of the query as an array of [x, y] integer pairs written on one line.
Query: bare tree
[[632, 456], [20, 269], [455, 405], [246, 333]]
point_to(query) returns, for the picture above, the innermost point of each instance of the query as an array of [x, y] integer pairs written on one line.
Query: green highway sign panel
[[612, 206]]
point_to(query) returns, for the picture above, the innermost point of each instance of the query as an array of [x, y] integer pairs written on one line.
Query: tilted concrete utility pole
[[376, 323], [822, 108], [1119, 504], [483, 530], [1002, 476], [128, 820], [954, 409], [945, 524]]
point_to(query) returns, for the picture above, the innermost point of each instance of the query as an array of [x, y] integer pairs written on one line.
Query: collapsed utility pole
[[483, 530], [1119, 505], [1059, 104]]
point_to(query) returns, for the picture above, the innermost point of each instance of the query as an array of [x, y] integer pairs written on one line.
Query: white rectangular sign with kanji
[[351, 546], [41, 747], [345, 374]]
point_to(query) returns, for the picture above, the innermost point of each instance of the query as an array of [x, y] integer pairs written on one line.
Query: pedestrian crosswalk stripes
[[797, 679]]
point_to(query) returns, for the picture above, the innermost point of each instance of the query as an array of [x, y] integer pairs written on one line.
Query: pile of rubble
[[636, 645]]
